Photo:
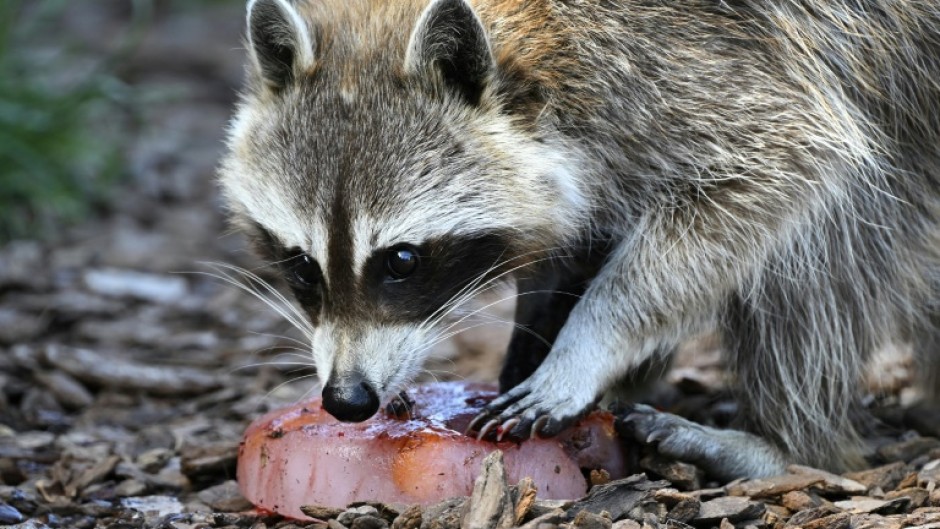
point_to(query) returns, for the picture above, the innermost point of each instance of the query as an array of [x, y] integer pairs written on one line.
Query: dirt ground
[[130, 364]]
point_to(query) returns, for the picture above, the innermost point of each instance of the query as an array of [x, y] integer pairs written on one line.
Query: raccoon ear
[[279, 41], [450, 37]]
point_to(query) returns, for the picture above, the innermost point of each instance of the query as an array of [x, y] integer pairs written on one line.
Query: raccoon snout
[[350, 398]]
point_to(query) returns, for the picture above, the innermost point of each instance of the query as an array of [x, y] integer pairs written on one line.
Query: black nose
[[350, 398]]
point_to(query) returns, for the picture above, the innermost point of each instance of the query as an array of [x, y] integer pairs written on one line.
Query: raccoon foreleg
[[660, 285], [543, 305], [566, 385], [542, 308]]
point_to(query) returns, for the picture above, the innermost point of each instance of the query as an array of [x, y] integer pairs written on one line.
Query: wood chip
[[773, 515], [598, 477], [875, 521], [410, 518], [21, 327], [833, 521], [734, 508], [930, 474], [523, 498], [130, 487], [798, 500], [589, 520], [153, 505], [831, 483], [671, 496], [707, 494], [69, 392], [863, 504], [775, 486], [138, 285], [348, 516], [444, 515], [909, 449], [627, 524], [10, 515], [885, 477], [542, 507], [909, 481], [117, 372], [808, 515], [369, 521], [387, 511], [320, 512], [618, 497], [490, 503], [934, 499], [924, 516], [153, 460], [225, 497], [916, 495], [200, 461], [685, 511], [684, 476], [94, 474], [552, 518]]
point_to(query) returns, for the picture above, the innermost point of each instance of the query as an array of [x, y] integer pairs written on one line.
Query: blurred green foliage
[[63, 115]]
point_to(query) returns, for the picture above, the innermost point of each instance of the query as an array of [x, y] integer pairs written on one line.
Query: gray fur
[[771, 169]]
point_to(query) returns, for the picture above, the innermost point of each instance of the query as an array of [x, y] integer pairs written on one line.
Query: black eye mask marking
[[305, 278], [436, 271], [299, 269], [265, 244]]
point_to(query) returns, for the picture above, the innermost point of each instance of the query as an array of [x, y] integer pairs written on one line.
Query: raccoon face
[[385, 183]]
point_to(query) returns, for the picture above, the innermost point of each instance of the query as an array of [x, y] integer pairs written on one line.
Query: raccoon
[[644, 171]]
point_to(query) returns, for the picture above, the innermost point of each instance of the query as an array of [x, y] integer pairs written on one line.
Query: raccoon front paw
[[528, 410]]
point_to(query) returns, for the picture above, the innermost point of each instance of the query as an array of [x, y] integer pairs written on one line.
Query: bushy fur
[[769, 168]]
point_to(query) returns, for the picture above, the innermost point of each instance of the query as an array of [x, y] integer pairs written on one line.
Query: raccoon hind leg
[[796, 359], [797, 348]]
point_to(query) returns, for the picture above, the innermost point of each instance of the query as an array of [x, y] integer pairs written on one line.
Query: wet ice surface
[[301, 456]]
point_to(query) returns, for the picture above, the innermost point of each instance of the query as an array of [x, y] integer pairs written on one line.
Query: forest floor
[[129, 369]]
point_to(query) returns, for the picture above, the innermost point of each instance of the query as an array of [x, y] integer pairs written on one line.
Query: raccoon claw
[[673, 436], [530, 410], [486, 428], [646, 424], [538, 427], [549, 427], [521, 428], [507, 427], [492, 415], [521, 419]]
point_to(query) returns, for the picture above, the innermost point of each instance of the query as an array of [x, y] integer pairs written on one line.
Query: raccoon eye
[[303, 271], [401, 261]]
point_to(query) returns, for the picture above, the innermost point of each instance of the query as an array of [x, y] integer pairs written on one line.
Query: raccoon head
[[374, 157]]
